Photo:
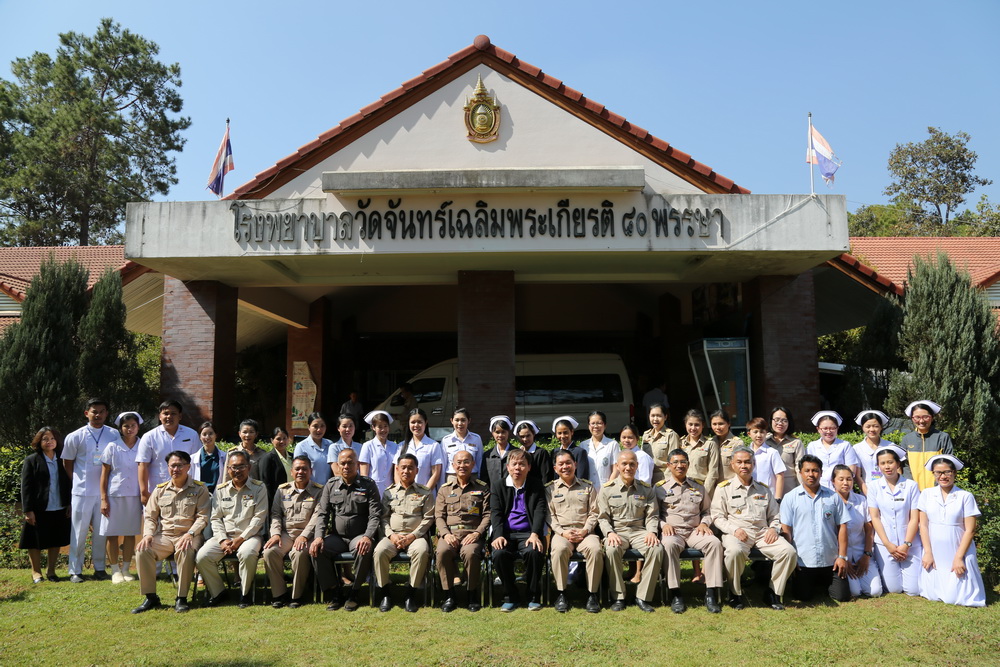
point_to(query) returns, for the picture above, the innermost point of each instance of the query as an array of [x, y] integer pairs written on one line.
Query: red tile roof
[[892, 256], [864, 274], [18, 266], [482, 51]]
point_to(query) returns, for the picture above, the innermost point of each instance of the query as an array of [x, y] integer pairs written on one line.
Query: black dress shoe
[[448, 605], [280, 601], [593, 604], [295, 604], [335, 599], [245, 601], [351, 604], [474, 604], [52, 577], [773, 600], [411, 605], [677, 602], [644, 606], [100, 575], [712, 601], [181, 605], [215, 601], [562, 605], [386, 604], [151, 602], [737, 602], [618, 605]]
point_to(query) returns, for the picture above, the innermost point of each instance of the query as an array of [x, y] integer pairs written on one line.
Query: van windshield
[[569, 389]]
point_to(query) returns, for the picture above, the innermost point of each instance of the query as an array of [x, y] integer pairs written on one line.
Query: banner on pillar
[[303, 394]]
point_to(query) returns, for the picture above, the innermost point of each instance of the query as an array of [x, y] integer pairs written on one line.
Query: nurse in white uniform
[[892, 504], [830, 449], [378, 453], [872, 422], [601, 450], [429, 453], [862, 572], [121, 510], [947, 525]]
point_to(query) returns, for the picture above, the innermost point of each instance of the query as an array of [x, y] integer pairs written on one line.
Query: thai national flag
[[822, 155], [222, 166]]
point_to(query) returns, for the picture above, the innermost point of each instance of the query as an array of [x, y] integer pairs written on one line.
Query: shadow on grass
[[241, 662], [12, 592]]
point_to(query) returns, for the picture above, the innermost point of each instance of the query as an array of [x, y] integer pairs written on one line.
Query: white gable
[[431, 134]]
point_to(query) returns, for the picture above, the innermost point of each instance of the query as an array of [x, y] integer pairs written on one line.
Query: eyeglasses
[[942, 473], [239, 466], [178, 466], [778, 420]]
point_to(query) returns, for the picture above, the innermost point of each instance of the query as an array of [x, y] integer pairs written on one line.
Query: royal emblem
[[482, 115]]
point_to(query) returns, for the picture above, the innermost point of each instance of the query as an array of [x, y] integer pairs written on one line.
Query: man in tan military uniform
[[628, 517], [407, 516], [573, 517], [747, 514], [239, 518], [462, 513], [176, 514], [686, 521], [292, 512]]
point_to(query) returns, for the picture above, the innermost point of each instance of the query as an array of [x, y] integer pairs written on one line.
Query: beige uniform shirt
[[294, 509], [791, 451], [703, 460], [457, 509], [683, 504], [750, 507], [239, 512], [174, 511], [571, 505], [624, 506], [661, 443], [726, 455], [407, 511]]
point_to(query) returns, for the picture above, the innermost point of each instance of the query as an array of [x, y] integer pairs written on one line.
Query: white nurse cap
[[500, 418], [882, 417], [526, 422], [935, 408], [119, 418], [374, 413], [826, 413], [937, 457], [898, 451], [565, 418]]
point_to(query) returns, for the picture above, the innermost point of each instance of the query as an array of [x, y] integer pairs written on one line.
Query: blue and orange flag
[[223, 164]]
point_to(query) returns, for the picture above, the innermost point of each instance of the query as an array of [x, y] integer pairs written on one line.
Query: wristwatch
[[843, 557], [869, 554], [909, 544]]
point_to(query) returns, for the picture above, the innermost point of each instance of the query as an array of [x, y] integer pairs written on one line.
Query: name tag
[[473, 510]]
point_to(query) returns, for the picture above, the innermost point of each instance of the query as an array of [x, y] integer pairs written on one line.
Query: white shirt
[[155, 445], [85, 445], [857, 517], [866, 455], [840, 452], [124, 478], [472, 443], [894, 507], [336, 448], [603, 455], [768, 466], [429, 454], [379, 459]]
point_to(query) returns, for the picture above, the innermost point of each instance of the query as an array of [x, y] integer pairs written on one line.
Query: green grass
[[90, 624]]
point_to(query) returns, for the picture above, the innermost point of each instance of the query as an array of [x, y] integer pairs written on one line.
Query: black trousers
[[534, 561], [810, 581]]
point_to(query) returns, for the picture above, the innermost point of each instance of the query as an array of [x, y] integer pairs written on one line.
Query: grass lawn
[[90, 624]]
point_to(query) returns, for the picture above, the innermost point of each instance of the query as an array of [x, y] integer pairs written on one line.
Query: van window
[[428, 390], [569, 389]]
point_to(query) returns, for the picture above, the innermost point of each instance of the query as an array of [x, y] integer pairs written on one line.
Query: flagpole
[[812, 154]]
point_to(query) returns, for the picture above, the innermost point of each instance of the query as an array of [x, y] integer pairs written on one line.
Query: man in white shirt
[[168, 437], [81, 456]]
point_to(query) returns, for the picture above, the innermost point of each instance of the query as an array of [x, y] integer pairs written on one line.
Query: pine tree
[[38, 355], [949, 341]]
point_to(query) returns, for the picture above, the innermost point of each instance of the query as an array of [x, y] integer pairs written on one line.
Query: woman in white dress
[[121, 510], [892, 504], [862, 574], [947, 525], [830, 449], [872, 422]]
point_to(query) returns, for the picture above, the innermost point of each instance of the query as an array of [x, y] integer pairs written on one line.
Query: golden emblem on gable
[[482, 115]]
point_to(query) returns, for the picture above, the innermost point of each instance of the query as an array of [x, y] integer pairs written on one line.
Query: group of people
[[345, 508]]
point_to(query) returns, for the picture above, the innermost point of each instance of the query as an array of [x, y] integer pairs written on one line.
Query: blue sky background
[[728, 82]]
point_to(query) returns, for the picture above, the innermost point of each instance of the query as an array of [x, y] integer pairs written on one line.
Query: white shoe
[[128, 576], [117, 577]]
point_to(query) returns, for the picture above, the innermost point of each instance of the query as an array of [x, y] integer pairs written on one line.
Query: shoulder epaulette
[[198, 482], [316, 485], [724, 482], [162, 484], [256, 481], [223, 485], [286, 485], [608, 483], [642, 483], [481, 482], [585, 481], [550, 482], [422, 487], [661, 482]]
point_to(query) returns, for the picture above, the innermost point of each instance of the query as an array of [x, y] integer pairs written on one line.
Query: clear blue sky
[[728, 82]]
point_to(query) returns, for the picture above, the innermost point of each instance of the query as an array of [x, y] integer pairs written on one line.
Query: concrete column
[[486, 345], [198, 363], [783, 359], [311, 346]]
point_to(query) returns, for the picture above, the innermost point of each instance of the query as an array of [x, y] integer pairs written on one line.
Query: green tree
[[896, 219], [935, 174], [82, 134], [948, 339], [38, 355], [107, 363], [873, 359]]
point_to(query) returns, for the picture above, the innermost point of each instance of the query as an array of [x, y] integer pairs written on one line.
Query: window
[[569, 389]]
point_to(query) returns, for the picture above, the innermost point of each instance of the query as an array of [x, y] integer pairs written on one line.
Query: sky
[[730, 83]]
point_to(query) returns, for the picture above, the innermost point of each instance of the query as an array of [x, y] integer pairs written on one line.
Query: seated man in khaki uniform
[[573, 517], [746, 512], [176, 515], [686, 521], [628, 517], [292, 512], [239, 518], [407, 516], [462, 513]]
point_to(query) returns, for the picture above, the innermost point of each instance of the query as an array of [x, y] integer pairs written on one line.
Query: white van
[[546, 386]]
